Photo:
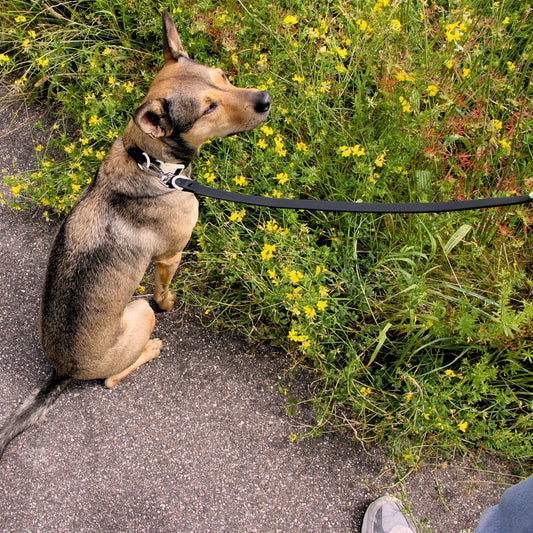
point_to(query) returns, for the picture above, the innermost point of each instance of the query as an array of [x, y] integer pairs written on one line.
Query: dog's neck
[[163, 170], [169, 155]]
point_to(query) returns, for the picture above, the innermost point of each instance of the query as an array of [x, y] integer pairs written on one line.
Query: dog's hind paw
[[151, 350]]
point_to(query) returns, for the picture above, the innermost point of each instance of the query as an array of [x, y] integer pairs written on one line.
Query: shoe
[[385, 516]]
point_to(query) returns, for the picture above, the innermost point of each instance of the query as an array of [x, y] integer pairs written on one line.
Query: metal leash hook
[[159, 170]]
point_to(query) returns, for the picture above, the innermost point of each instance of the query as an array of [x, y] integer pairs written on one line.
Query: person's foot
[[385, 516]]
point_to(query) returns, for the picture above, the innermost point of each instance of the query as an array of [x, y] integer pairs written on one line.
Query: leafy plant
[[419, 328]]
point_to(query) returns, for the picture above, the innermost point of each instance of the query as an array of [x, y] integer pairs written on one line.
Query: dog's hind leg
[[165, 268], [134, 346]]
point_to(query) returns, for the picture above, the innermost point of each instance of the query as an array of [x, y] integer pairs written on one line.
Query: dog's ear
[[172, 47], [153, 118]]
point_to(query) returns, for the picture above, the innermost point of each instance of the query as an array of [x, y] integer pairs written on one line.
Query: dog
[[90, 328]]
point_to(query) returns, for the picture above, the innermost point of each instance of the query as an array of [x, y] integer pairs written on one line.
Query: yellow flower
[[279, 146], [455, 31], [432, 90], [406, 107], [282, 178], [305, 341], [241, 181], [273, 277], [32, 34], [290, 20], [380, 161], [302, 147], [106, 51], [293, 335], [100, 154], [450, 373], [342, 52], [4, 58], [262, 144], [268, 251], [462, 426], [506, 21], [466, 73], [209, 177], [405, 76], [39, 148], [237, 216], [396, 25], [93, 120], [321, 305], [298, 79], [449, 64], [325, 87], [309, 311], [20, 18], [267, 130], [43, 61], [141, 289], [15, 190], [511, 66], [379, 5], [84, 141], [111, 80], [365, 391], [504, 143], [347, 151], [363, 24], [294, 275]]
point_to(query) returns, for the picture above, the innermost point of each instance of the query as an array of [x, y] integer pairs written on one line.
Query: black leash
[[175, 180], [188, 185]]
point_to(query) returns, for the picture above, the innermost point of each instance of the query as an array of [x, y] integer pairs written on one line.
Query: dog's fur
[[125, 219]]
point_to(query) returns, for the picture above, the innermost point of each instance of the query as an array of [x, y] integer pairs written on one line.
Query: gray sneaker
[[385, 516]]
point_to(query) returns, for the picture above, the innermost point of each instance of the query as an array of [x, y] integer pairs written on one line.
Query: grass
[[418, 328]]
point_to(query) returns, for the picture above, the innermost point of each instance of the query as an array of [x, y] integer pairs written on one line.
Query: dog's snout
[[262, 102]]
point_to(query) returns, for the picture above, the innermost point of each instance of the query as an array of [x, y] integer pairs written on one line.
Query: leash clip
[[158, 168], [168, 178]]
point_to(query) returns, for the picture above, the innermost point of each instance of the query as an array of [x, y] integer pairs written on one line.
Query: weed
[[419, 328]]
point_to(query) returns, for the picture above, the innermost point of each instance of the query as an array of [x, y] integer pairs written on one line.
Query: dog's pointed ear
[[153, 118], [172, 47]]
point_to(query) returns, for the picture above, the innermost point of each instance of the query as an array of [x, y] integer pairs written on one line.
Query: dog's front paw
[[166, 300]]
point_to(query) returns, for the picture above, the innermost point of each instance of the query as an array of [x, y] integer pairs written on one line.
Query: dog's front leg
[[165, 267]]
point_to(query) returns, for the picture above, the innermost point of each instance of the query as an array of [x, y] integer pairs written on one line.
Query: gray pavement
[[196, 440]]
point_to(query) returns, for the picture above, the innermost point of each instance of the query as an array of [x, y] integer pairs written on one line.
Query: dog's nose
[[262, 102]]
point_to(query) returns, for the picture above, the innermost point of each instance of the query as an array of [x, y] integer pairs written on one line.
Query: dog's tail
[[32, 409]]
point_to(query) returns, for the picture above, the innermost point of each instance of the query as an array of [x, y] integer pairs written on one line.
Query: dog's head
[[189, 103]]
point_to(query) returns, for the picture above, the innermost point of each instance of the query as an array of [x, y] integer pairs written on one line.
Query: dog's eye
[[211, 108]]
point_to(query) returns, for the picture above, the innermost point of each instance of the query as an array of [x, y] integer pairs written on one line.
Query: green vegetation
[[419, 328]]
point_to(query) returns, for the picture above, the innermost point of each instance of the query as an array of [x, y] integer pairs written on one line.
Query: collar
[[166, 172]]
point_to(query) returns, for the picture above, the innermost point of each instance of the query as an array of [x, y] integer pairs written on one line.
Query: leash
[[188, 185], [170, 176]]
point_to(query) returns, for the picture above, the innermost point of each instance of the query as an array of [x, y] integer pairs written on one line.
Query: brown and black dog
[[126, 218]]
